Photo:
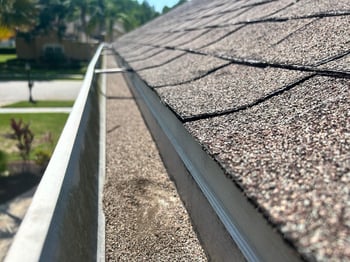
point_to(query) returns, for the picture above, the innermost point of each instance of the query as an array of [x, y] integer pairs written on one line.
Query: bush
[[24, 137], [42, 158], [8, 51]]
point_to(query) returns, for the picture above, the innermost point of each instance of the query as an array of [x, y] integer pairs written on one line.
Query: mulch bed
[[22, 178]]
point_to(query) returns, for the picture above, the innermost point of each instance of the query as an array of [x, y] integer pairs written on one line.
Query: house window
[[54, 53]]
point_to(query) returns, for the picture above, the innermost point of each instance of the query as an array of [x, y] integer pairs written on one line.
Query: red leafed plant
[[24, 137]]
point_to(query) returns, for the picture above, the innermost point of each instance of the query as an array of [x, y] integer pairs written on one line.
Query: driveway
[[12, 91]]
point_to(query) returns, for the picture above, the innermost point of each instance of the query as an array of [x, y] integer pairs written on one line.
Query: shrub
[[42, 158], [7, 50], [24, 137]]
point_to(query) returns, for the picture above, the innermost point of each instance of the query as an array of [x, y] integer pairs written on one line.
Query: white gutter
[[61, 223]]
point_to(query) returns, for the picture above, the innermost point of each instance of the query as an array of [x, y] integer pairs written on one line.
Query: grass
[[5, 57], [26, 104], [43, 126]]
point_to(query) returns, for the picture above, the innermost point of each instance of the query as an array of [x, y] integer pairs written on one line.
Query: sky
[[159, 4]]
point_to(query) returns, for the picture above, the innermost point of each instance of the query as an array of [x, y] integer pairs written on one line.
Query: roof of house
[[264, 87]]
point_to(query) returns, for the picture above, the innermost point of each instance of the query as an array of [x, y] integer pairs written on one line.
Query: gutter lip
[[105, 70], [256, 238], [101, 221]]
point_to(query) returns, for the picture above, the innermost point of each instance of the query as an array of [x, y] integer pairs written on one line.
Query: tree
[[6, 33], [145, 13], [97, 17], [128, 12], [80, 8], [53, 16], [18, 14], [167, 9], [94, 16], [90, 14]]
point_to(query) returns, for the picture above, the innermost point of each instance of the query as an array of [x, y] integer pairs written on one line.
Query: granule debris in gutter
[[145, 218], [291, 154]]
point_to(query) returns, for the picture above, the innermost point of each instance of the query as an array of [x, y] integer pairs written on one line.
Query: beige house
[[43, 46]]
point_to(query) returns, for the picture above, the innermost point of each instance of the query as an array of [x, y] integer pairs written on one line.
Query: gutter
[[229, 226]]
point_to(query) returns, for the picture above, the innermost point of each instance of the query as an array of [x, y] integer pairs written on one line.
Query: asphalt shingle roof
[[185, 68], [228, 89], [264, 87]]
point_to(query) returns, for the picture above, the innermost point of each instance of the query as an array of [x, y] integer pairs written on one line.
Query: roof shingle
[[264, 87]]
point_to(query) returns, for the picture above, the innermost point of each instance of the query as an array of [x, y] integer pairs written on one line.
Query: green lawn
[[5, 57], [26, 104], [43, 127]]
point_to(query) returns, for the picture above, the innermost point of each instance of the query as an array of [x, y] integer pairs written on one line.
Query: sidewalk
[[11, 216], [35, 110], [13, 91]]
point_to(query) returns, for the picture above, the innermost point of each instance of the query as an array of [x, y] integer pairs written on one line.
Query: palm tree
[[89, 13], [18, 14], [52, 16], [96, 13], [129, 13]]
